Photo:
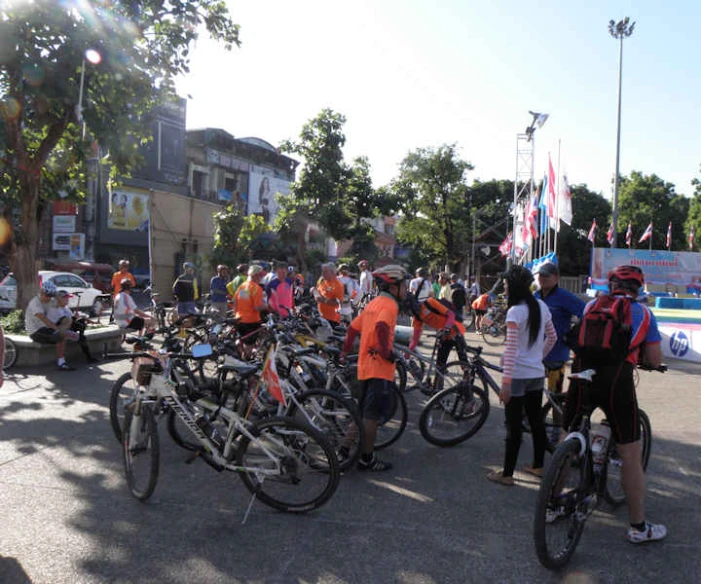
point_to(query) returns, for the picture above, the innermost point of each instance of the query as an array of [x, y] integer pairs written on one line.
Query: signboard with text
[[128, 210]]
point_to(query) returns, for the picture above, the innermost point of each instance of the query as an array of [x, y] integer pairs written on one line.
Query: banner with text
[[129, 210]]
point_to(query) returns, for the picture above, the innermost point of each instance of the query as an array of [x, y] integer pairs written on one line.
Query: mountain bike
[[276, 458], [573, 485], [493, 329]]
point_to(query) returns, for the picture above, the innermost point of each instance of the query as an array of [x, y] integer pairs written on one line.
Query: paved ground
[[66, 516]]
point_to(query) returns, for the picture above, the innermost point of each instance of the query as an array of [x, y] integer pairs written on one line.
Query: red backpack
[[604, 333]]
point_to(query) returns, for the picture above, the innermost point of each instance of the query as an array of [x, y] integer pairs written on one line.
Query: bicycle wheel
[[180, 433], [122, 394], [560, 508], [10, 353], [454, 415], [336, 418], [288, 466], [141, 451], [390, 429], [614, 493], [400, 376], [494, 334]]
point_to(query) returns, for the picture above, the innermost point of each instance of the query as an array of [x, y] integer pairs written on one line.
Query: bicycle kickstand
[[250, 506]]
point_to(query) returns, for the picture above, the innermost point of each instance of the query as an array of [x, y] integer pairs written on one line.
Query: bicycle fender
[[582, 441]]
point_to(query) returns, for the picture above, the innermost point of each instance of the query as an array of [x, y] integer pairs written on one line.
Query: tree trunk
[[23, 249]]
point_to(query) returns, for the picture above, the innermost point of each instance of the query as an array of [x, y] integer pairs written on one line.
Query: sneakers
[[498, 477], [65, 367], [552, 514], [652, 532], [374, 464], [536, 472]]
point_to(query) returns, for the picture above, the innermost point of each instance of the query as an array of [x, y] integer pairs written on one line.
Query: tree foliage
[[234, 234], [643, 199], [432, 194], [125, 55]]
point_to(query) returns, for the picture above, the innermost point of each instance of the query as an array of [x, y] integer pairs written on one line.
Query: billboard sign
[[674, 268], [128, 210], [64, 223], [263, 185]]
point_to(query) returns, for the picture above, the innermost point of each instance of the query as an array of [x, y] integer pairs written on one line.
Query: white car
[[83, 295]]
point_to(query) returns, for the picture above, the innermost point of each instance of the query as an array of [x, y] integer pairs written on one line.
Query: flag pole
[[557, 198], [651, 232]]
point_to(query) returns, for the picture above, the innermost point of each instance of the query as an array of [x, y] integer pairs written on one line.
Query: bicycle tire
[[494, 335], [400, 375], [559, 471], [141, 443], [391, 429], [336, 417], [300, 448], [172, 421], [10, 354], [122, 393], [614, 494], [441, 419]]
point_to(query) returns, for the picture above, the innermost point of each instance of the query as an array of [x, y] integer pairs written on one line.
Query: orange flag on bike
[[271, 377]]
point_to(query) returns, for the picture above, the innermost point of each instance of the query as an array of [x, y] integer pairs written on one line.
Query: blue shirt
[[217, 289], [563, 306]]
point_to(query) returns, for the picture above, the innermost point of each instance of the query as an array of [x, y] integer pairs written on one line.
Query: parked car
[[83, 295], [99, 276]]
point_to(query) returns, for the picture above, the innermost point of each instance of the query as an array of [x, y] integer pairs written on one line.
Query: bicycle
[[493, 329], [272, 456], [573, 485]]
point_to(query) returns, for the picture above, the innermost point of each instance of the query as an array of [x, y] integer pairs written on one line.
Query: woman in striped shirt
[[529, 337]]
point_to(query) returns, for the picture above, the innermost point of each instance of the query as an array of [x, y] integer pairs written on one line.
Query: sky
[[411, 74]]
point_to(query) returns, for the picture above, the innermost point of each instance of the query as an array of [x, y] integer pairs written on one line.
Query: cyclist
[[328, 293], [613, 390], [249, 303], [480, 305], [438, 316], [563, 306], [529, 337], [119, 275], [280, 291], [376, 360], [239, 279], [126, 314], [218, 291], [366, 281], [186, 290]]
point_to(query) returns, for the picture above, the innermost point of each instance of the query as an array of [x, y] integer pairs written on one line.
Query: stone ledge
[[30, 353]]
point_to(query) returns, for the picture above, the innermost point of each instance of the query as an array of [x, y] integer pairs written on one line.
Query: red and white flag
[[271, 377], [592, 231], [669, 236], [552, 197], [692, 233], [609, 235], [505, 247], [647, 234], [629, 234]]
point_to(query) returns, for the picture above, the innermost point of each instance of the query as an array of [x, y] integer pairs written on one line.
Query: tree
[[432, 194], [694, 216], [121, 61], [234, 232], [643, 199], [574, 250]]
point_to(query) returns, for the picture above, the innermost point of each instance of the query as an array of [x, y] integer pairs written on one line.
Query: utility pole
[[618, 30]]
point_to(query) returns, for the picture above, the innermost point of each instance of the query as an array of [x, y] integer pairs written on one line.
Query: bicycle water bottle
[[599, 445]]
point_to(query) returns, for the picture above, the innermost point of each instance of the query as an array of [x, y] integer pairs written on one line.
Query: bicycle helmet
[[626, 279], [48, 288], [363, 264], [125, 284], [254, 270], [343, 268], [188, 265], [391, 274], [242, 268]]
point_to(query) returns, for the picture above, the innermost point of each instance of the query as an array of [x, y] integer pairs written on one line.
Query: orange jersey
[[117, 278], [370, 364], [334, 290], [249, 295], [435, 314], [482, 302]]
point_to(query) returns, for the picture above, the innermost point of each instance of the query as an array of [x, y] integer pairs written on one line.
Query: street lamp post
[[618, 30]]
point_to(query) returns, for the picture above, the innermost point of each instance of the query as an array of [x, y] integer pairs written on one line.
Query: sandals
[[498, 477]]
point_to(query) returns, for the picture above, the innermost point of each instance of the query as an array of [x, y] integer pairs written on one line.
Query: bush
[[13, 322]]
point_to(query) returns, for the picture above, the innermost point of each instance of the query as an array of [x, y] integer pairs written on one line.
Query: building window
[[199, 184]]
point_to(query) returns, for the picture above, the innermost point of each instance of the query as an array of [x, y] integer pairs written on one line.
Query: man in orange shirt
[[249, 302], [438, 316], [480, 305], [328, 294], [118, 276], [375, 325]]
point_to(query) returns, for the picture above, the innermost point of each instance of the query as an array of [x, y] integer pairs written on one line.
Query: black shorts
[[379, 399], [246, 328], [479, 312], [46, 336], [612, 390]]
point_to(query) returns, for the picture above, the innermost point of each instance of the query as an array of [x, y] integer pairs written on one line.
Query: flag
[[543, 206], [272, 379], [505, 246], [552, 197], [647, 234], [533, 216], [565, 202], [692, 233], [629, 234], [669, 236], [592, 231], [610, 234]]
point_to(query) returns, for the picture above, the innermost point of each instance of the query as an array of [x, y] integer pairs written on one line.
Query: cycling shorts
[[612, 390], [379, 400]]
